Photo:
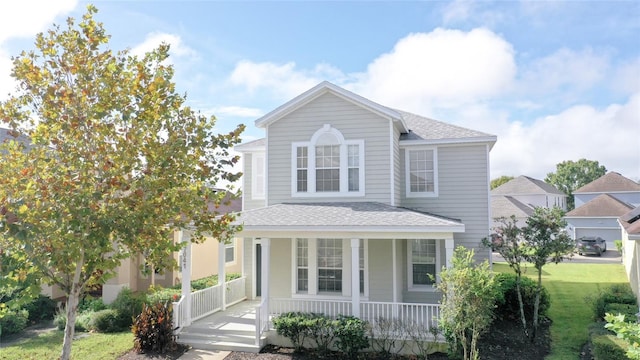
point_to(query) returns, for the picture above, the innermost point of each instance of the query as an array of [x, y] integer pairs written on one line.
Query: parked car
[[591, 245]]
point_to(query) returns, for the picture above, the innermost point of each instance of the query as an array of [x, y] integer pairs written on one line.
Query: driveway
[[608, 257]]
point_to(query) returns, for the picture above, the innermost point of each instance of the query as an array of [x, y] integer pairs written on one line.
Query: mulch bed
[[170, 355]]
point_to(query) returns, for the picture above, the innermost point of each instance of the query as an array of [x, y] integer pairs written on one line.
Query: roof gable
[[505, 206], [601, 205], [610, 182], [321, 89], [525, 185]]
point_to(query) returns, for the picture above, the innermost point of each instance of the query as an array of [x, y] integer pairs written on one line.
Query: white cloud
[[608, 135], [474, 12], [444, 68], [237, 111], [627, 77], [565, 68], [153, 40], [27, 17], [285, 80], [459, 10]]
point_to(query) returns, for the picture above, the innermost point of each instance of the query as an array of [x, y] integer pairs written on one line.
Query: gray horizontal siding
[[247, 196], [463, 193], [353, 122]]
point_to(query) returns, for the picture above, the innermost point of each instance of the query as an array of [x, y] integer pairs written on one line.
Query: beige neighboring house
[[204, 262], [630, 224], [521, 195]]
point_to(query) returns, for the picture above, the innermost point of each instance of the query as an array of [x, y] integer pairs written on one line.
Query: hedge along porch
[[315, 258]]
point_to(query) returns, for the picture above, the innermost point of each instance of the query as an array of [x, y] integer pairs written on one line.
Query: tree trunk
[[523, 319], [536, 305], [72, 310]]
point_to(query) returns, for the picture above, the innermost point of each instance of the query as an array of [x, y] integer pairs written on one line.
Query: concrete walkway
[[197, 354]]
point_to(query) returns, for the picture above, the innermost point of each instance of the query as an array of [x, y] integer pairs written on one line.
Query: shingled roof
[[610, 182], [601, 205], [423, 128], [346, 217], [505, 206], [631, 221], [525, 185]]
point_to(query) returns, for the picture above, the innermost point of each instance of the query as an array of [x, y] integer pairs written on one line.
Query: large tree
[[546, 241], [118, 162], [571, 175]]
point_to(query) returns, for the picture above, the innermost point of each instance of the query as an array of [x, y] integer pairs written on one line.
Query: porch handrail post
[[222, 276], [265, 243], [355, 277], [185, 267]]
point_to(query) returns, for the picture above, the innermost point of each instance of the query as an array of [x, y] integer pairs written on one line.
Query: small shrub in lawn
[[295, 326], [608, 347], [508, 306], [153, 329], [128, 305], [41, 308], [13, 322], [90, 303], [351, 335], [83, 320], [106, 321]]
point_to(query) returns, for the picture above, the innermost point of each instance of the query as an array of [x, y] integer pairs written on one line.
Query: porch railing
[[208, 301], [331, 308]]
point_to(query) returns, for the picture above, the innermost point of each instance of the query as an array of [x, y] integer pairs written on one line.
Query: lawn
[[91, 346], [569, 284]]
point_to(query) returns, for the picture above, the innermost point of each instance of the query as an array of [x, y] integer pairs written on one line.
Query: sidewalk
[[197, 354]]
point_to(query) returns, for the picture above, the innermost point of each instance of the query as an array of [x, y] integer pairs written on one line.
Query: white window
[[328, 165], [421, 172], [258, 176], [230, 252], [423, 262], [323, 267]]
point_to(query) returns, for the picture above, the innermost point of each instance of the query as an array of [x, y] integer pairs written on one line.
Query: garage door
[[607, 234]]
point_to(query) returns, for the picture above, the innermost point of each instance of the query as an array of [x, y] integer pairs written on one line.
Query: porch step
[[221, 339]]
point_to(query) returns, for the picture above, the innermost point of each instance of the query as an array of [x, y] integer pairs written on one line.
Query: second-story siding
[[463, 192], [354, 122]]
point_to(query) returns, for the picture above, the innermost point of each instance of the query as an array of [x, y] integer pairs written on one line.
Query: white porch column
[[222, 276], [185, 268], [394, 270], [264, 285], [448, 244], [355, 277]]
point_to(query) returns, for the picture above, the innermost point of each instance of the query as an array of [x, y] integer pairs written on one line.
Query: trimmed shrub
[[153, 329], [322, 331], [507, 306], [608, 347], [13, 322], [295, 326], [614, 294], [629, 311], [83, 321], [106, 321], [90, 303], [128, 305], [351, 335], [41, 308], [159, 294]]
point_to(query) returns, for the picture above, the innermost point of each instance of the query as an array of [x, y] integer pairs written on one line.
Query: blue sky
[[553, 80]]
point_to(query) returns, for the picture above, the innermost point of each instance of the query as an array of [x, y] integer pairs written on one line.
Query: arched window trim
[[317, 139]]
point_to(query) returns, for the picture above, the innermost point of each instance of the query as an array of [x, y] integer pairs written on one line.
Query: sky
[[553, 80]]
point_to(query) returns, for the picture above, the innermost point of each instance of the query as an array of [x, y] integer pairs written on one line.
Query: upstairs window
[[328, 165], [421, 172]]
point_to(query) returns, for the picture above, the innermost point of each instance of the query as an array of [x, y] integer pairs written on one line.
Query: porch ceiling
[[344, 219]]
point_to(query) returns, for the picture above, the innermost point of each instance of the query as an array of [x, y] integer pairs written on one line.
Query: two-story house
[[353, 207], [521, 195]]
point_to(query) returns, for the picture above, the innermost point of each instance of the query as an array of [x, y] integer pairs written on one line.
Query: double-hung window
[[327, 165], [421, 172], [423, 262]]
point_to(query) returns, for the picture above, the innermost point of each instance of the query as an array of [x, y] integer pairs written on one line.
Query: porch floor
[[233, 329]]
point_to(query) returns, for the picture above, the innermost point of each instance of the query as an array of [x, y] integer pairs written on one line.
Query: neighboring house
[[204, 262], [599, 204], [348, 204], [630, 224], [521, 195]]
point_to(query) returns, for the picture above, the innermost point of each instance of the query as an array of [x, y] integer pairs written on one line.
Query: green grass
[[49, 345], [568, 285]]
